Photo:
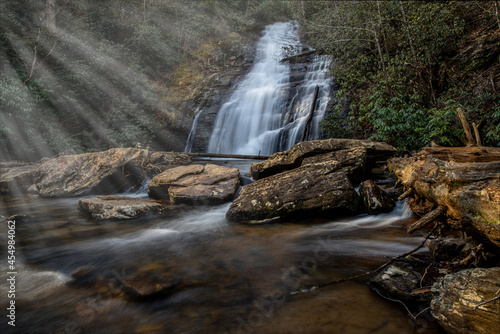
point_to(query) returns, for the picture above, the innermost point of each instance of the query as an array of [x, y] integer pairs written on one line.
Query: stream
[[230, 278]]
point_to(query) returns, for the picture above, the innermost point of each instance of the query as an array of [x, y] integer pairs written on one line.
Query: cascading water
[[300, 107], [257, 118], [192, 133]]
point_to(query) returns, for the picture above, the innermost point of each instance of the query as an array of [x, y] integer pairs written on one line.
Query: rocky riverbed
[[313, 179]]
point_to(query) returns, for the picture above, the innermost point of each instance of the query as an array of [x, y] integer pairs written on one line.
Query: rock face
[[119, 207], [101, 172], [313, 188], [457, 295], [196, 184], [468, 190], [375, 200], [342, 150]]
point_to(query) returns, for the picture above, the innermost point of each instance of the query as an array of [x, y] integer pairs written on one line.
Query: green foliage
[[405, 75]]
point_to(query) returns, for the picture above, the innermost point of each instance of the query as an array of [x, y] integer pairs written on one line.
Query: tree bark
[[465, 124], [427, 219]]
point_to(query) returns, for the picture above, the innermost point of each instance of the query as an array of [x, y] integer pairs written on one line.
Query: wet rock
[[353, 161], [148, 282], [17, 178], [402, 282], [119, 207], [196, 184], [457, 296], [375, 199], [84, 275], [293, 158], [313, 188], [110, 171], [446, 248]]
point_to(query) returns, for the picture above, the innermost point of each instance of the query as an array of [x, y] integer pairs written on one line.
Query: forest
[[86, 75]]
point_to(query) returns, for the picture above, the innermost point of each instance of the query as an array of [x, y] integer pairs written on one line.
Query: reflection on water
[[195, 272]]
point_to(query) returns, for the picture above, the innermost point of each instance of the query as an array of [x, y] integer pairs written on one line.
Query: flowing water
[[227, 277], [259, 118], [193, 271]]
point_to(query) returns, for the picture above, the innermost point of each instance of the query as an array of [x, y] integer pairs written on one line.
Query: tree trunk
[[408, 32], [465, 124]]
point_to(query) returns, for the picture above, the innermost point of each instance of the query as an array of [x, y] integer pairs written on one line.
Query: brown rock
[[196, 184], [102, 172], [375, 200], [320, 187], [119, 207], [293, 158], [457, 296], [17, 178]]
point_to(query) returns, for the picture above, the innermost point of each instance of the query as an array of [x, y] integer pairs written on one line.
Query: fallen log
[[463, 181], [427, 219], [228, 156]]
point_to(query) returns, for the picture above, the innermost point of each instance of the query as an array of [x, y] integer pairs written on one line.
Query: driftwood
[[465, 124], [476, 133], [427, 219], [405, 195], [464, 182], [227, 156]]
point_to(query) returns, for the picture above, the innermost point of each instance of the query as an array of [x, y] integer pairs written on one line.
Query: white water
[[256, 118], [192, 133], [300, 107]]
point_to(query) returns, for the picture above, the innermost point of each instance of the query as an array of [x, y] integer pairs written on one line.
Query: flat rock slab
[[119, 207], [196, 184], [294, 157], [313, 188], [458, 294]]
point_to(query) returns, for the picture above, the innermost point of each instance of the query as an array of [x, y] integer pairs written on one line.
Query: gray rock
[[400, 281], [313, 188], [294, 157], [119, 207]]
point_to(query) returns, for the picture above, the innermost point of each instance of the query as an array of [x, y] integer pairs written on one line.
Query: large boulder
[[119, 207], [375, 199], [456, 305], [313, 188], [294, 157], [17, 177], [110, 171], [196, 184], [469, 189]]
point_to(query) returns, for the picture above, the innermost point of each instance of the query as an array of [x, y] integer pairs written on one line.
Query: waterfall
[[192, 133], [300, 107], [258, 118]]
